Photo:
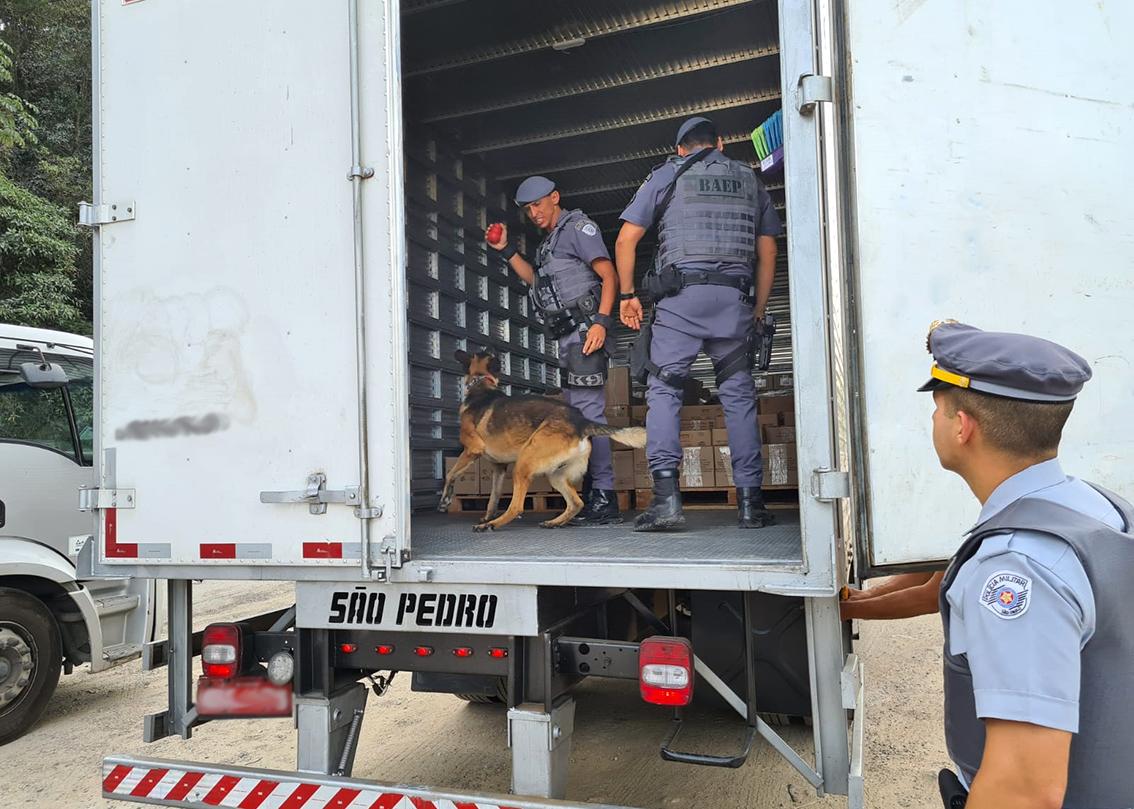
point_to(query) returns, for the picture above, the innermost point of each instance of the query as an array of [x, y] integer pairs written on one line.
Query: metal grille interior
[[588, 92]]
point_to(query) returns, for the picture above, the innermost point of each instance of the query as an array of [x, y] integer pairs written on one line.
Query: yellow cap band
[[948, 376]]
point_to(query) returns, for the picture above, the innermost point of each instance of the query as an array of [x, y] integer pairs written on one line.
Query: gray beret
[[1015, 366], [532, 189], [688, 125]]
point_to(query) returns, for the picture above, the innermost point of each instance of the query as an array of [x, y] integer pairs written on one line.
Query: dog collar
[[473, 381]]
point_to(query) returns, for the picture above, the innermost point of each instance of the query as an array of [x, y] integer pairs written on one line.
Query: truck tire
[[499, 698], [31, 656]]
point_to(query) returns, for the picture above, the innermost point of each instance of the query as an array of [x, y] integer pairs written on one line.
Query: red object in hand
[[494, 233]]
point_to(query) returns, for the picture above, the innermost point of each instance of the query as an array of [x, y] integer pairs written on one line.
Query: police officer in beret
[[717, 233], [1039, 629], [574, 289]]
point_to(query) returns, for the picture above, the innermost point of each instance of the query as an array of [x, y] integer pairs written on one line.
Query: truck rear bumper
[[202, 786]]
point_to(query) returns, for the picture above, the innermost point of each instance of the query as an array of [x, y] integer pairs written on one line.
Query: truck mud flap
[[203, 786]]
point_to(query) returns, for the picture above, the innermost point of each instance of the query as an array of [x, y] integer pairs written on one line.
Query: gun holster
[[662, 282]]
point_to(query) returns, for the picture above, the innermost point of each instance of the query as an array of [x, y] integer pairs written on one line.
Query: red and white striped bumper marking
[[196, 788]]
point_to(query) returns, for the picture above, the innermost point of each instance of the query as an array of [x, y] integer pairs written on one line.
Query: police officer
[[715, 223], [1039, 631], [574, 288]]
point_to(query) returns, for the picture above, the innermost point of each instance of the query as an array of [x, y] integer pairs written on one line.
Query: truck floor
[[709, 538]]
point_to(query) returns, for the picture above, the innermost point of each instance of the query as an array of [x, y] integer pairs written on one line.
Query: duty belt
[[698, 278]]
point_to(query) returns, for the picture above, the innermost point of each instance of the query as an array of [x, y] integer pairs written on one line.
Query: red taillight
[[498, 652], [347, 648], [423, 651], [665, 671], [384, 649], [220, 651], [463, 651]]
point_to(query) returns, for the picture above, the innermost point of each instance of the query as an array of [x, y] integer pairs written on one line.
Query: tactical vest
[[1100, 775], [570, 277], [711, 216]]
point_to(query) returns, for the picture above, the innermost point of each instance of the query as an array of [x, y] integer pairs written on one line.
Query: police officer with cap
[[716, 226], [574, 287], [1039, 630]]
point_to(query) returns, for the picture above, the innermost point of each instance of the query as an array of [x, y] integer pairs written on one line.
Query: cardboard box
[[618, 416], [641, 463], [787, 418], [486, 469], [775, 404], [696, 424], [623, 470], [469, 481], [780, 467], [638, 415], [763, 383], [701, 411], [720, 438], [539, 484], [696, 438], [768, 419], [783, 381], [642, 477], [719, 422], [697, 468], [779, 435], [618, 386]]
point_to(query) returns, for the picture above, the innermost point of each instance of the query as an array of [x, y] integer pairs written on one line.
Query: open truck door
[[987, 218], [230, 287]]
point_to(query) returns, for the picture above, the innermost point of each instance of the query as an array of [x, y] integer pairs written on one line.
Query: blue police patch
[[1007, 594]]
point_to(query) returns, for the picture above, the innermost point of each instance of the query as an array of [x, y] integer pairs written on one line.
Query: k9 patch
[[1007, 594]]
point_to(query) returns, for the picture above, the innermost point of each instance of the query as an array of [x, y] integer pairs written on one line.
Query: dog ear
[[493, 365], [462, 357]]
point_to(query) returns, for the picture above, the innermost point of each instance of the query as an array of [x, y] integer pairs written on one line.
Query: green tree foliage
[[45, 162]]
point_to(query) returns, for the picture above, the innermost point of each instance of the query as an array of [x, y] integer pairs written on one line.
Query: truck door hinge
[[94, 498], [812, 90], [93, 215], [828, 485], [316, 495]]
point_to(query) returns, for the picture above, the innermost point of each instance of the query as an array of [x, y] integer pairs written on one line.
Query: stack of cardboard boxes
[[707, 461]]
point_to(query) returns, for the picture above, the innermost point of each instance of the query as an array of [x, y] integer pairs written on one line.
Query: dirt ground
[[438, 740]]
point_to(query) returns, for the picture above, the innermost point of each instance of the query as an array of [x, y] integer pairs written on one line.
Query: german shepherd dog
[[541, 435]]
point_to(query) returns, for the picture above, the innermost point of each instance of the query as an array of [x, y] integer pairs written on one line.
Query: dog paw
[[550, 524], [442, 507], [481, 527]]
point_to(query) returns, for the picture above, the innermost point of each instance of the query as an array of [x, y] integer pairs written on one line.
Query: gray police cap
[[532, 189], [1015, 366], [687, 126]]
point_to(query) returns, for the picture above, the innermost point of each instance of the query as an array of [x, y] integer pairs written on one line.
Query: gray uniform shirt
[[643, 211], [583, 240], [1023, 648]]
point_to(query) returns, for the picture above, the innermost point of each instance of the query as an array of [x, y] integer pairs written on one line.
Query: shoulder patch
[[1007, 594], [587, 227]]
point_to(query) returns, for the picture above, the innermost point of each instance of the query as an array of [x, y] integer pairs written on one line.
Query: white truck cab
[[52, 619]]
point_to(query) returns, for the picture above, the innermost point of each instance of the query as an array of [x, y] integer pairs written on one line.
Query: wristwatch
[[507, 251], [606, 321], [627, 296]]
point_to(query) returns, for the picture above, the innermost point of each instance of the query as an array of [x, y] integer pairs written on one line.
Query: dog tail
[[630, 436]]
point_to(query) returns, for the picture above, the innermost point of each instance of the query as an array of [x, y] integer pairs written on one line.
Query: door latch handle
[[315, 494]]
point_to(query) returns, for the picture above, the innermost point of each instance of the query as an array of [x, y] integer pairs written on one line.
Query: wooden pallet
[[540, 502], [720, 497]]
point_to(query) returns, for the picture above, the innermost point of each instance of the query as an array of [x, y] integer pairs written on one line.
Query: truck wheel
[[31, 656], [500, 697]]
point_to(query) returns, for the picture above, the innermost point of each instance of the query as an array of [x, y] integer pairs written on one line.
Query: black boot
[[750, 508], [665, 512], [601, 509]]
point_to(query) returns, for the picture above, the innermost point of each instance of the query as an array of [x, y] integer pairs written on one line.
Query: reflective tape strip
[[177, 786], [322, 550]]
